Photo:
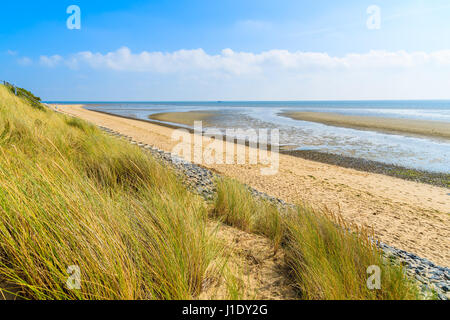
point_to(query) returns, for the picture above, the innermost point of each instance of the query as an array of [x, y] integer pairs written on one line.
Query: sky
[[139, 50]]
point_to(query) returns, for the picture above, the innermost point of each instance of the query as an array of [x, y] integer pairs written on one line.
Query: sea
[[422, 153]]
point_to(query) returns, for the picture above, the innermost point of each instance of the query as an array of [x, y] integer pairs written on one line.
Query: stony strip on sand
[[439, 179], [201, 180]]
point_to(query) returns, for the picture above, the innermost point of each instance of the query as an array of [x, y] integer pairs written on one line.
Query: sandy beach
[[409, 215], [186, 118], [390, 125]]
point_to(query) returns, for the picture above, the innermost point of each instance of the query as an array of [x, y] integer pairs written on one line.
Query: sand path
[[253, 269], [411, 216]]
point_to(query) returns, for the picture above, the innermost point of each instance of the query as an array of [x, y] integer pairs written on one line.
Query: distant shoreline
[[427, 128], [433, 178], [439, 179], [186, 118]]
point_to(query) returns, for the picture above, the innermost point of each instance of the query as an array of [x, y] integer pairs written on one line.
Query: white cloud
[[247, 63], [11, 52], [51, 61], [269, 75]]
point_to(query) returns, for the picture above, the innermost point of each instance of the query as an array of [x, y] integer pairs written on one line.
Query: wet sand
[[439, 179], [408, 215], [186, 118], [389, 125]]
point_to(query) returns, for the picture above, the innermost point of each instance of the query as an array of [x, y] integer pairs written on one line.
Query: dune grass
[[72, 196], [235, 206], [325, 260]]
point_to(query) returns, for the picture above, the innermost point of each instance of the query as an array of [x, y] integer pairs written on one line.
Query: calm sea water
[[432, 154]]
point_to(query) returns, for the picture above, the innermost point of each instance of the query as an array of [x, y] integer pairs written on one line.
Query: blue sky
[[227, 50]]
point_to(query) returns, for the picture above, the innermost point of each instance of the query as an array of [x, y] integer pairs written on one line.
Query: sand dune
[[390, 125]]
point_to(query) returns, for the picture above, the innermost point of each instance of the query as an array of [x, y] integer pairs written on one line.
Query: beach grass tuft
[[72, 196], [326, 258], [235, 206]]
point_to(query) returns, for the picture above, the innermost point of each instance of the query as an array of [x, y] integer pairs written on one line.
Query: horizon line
[[225, 101]]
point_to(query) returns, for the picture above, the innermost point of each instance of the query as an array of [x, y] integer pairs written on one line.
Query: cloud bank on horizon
[[230, 62], [270, 75]]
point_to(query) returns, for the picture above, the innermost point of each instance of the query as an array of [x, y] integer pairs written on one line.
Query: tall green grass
[[70, 195], [236, 206], [326, 258]]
